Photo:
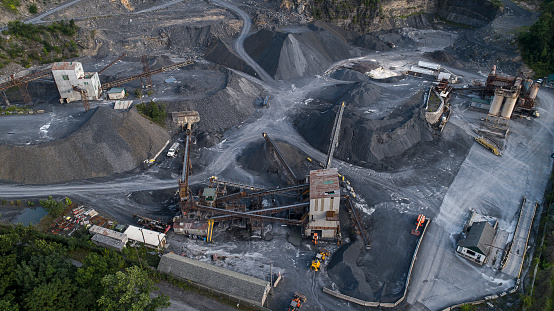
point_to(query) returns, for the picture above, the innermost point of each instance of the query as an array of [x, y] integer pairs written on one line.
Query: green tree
[[33, 9], [130, 290]]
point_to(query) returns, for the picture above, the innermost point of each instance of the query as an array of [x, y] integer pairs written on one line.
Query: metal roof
[[65, 65], [145, 236], [108, 232], [480, 237], [122, 104], [324, 183], [116, 90], [106, 241], [208, 192], [236, 284]]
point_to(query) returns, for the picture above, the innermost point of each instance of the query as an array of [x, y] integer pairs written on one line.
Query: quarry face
[[397, 165]]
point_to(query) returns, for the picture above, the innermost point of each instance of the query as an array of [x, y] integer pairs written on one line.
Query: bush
[[33, 9], [153, 111]]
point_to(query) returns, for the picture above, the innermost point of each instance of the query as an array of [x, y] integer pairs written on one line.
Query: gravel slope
[[110, 142]]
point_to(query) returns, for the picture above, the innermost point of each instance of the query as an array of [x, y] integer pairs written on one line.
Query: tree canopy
[[36, 273]]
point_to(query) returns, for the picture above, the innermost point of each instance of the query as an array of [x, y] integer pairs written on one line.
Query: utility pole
[[271, 279]]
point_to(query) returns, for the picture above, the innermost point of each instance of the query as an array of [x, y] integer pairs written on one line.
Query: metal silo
[[534, 91], [510, 104], [496, 102]]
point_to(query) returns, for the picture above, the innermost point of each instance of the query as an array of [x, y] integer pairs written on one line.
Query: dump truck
[[319, 259], [296, 302]]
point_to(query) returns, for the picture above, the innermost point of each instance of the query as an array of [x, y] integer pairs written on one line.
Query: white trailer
[[173, 150]]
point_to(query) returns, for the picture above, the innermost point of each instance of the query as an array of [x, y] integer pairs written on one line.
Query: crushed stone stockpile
[[110, 142], [224, 108], [368, 139], [345, 273], [288, 54], [258, 159], [222, 53]]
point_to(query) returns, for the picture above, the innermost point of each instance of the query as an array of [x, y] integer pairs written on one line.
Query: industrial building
[[232, 283], [509, 94], [108, 238], [433, 71], [116, 93], [107, 242], [324, 204], [72, 81], [185, 226], [147, 237], [477, 244]]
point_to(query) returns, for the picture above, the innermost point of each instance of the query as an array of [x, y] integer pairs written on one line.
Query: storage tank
[[496, 102], [534, 91], [509, 106]]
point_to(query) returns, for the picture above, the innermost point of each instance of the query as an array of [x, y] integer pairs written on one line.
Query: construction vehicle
[[489, 144], [419, 223], [319, 259], [314, 238], [296, 302]]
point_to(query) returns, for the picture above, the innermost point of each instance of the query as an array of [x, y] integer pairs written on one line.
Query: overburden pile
[[110, 142]]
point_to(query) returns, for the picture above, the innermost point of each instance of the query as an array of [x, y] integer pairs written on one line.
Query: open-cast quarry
[[396, 163]]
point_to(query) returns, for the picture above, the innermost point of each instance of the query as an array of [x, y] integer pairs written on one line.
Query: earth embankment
[[110, 142]]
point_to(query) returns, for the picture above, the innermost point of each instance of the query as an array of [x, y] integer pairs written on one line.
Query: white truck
[[173, 150]]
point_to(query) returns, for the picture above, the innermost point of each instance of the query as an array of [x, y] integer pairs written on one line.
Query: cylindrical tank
[[509, 106], [534, 91], [496, 102]]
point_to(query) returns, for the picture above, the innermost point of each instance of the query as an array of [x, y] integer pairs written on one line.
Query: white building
[[71, 74], [324, 204], [147, 237]]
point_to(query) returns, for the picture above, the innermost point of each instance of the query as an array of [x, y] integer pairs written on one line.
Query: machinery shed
[[149, 238], [476, 246], [235, 284]]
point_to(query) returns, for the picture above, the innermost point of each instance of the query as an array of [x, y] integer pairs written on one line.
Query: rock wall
[[373, 15]]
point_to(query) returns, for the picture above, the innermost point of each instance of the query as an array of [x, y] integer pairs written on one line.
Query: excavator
[[319, 259], [419, 223], [296, 302]]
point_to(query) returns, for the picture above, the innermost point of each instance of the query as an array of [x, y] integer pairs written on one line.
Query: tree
[[130, 290], [33, 9]]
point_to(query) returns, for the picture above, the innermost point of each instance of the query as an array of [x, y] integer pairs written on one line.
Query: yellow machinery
[[210, 230], [489, 144], [319, 259]]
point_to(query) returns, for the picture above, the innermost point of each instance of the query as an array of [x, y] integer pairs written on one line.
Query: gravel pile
[[371, 135], [289, 54], [110, 142], [371, 42], [345, 273], [223, 108], [286, 55], [222, 53]]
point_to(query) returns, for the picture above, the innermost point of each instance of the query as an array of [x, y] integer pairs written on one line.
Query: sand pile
[[371, 134], [110, 142], [289, 54]]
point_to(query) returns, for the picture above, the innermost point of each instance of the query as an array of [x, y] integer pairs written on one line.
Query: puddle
[[31, 216]]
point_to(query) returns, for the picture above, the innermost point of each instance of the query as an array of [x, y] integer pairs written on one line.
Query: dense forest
[[39, 272], [537, 44]]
